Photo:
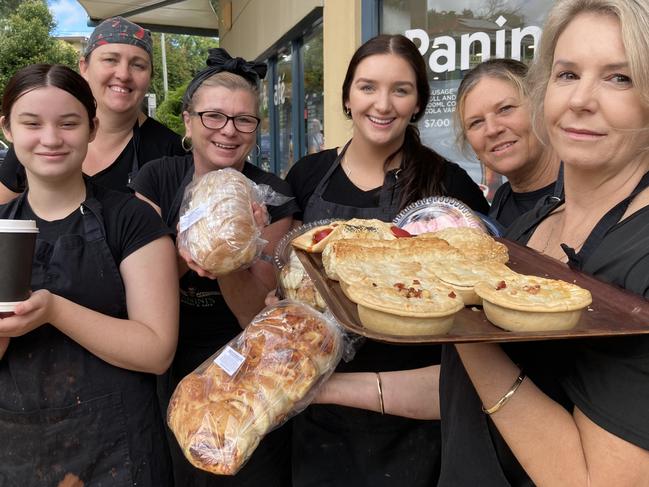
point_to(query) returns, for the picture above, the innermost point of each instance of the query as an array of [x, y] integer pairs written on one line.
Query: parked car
[[3, 151]]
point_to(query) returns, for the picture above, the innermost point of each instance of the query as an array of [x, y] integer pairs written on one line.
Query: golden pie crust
[[306, 241], [410, 307], [362, 255], [463, 274], [529, 303], [473, 243]]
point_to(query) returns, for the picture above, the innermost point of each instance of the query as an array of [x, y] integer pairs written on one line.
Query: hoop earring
[[186, 143], [250, 157]]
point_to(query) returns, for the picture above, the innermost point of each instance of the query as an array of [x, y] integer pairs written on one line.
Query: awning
[[197, 17]]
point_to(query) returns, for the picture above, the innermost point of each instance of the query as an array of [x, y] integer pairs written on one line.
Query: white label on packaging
[[191, 217], [229, 360]]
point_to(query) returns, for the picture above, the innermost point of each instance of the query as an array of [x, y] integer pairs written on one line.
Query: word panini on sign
[[443, 56]]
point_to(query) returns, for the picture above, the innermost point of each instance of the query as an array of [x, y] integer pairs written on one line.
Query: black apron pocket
[[87, 440]]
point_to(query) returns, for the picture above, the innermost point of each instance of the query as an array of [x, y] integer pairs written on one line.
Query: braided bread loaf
[[219, 419]]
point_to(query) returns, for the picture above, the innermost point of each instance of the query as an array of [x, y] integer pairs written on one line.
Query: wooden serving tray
[[614, 311]]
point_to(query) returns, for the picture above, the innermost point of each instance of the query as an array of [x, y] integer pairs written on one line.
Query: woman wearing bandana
[[220, 113], [118, 66]]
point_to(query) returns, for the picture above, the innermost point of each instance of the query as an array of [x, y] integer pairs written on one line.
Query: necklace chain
[[579, 241]]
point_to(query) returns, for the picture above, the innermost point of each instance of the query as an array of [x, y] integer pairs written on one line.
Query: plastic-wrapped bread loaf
[[268, 373], [217, 227]]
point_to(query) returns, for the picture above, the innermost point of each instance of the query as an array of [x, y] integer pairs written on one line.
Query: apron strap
[[174, 208], [93, 222], [500, 200], [608, 221], [389, 196], [135, 164], [16, 205], [558, 185], [322, 185]]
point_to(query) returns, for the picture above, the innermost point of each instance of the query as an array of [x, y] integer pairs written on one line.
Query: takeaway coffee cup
[[17, 242]]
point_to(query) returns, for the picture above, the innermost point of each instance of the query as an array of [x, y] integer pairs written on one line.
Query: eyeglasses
[[217, 120]]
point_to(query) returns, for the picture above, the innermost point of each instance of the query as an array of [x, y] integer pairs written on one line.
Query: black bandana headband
[[219, 60], [118, 30]]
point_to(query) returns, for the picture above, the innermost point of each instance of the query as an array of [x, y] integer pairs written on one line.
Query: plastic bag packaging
[[267, 374], [294, 283], [436, 213], [217, 227], [292, 278]]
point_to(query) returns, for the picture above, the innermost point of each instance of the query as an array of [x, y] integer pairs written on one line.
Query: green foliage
[[26, 40], [8, 6], [185, 55], [169, 112]]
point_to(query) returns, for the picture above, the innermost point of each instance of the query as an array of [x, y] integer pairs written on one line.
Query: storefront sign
[[443, 57]]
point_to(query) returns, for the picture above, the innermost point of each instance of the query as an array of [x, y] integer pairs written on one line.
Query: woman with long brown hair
[[383, 168]]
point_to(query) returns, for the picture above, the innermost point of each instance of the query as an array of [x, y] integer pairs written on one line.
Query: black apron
[[269, 465], [64, 410], [503, 197], [318, 209], [135, 164], [336, 446], [473, 451]]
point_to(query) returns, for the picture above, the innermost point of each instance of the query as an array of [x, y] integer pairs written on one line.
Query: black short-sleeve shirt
[[508, 205], [160, 181], [155, 141], [129, 223], [305, 175]]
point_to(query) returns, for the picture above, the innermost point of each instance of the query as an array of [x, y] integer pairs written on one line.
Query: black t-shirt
[[160, 181], [155, 141], [508, 205], [129, 223], [205, 319], [606, 378], [305, 175]]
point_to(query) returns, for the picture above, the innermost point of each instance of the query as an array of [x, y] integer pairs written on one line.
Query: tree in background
[[25, 38], [186, 56], [8, 6], [169, 112]]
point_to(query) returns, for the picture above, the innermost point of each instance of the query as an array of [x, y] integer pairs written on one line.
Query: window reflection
[[311, 53], [283, 103], [453, 36], [264, 140]]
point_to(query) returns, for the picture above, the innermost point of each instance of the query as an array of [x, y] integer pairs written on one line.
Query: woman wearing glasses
[[220, 113]]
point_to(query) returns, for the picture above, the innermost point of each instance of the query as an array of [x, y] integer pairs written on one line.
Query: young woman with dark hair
[[78, 358], [383, 168]]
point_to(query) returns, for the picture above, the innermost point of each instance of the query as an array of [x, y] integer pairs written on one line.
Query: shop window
[[264, 157], [453, 36], [311, 54], [282, 100], [291, 103]]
